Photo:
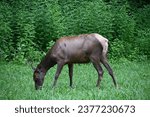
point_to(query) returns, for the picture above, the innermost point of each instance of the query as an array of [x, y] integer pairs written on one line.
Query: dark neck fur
[[46, 63]]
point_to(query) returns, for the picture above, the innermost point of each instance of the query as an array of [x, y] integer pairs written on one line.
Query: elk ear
[[33, 68], [31, 64]]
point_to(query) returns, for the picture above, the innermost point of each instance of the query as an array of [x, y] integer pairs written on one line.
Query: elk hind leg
[[109, 69], [99, 70]]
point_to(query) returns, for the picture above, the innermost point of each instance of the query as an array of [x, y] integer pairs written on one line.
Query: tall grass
[[16, 82]]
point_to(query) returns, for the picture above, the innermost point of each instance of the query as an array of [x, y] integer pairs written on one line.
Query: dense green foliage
[[133, 80], [29, 27]]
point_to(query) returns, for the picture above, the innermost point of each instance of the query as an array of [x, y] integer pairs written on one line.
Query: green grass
[[133, 78]]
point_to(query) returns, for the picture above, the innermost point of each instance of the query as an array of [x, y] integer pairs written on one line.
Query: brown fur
[[74, 49]]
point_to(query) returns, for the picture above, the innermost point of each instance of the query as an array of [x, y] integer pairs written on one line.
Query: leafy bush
[[121, 49], [50, 44], [6, 43], [143, 30], [30, 27]]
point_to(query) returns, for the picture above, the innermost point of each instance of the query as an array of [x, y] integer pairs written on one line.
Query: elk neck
[[46, 63]]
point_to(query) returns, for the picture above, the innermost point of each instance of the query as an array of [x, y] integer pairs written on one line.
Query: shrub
[[30, 27], [6, 43], [143, 31]]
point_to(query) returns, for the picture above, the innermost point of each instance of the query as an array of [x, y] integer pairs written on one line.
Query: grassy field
[[133, 78]]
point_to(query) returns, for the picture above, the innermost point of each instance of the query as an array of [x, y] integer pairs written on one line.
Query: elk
[[70, 50]]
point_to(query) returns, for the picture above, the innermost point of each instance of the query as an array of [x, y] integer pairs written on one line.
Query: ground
[[16, 82]]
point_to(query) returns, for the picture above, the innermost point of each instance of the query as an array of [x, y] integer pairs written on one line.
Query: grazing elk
[[75, 49]]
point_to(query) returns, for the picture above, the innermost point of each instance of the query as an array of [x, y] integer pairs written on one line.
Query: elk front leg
[[59, 68], [70, 66]]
